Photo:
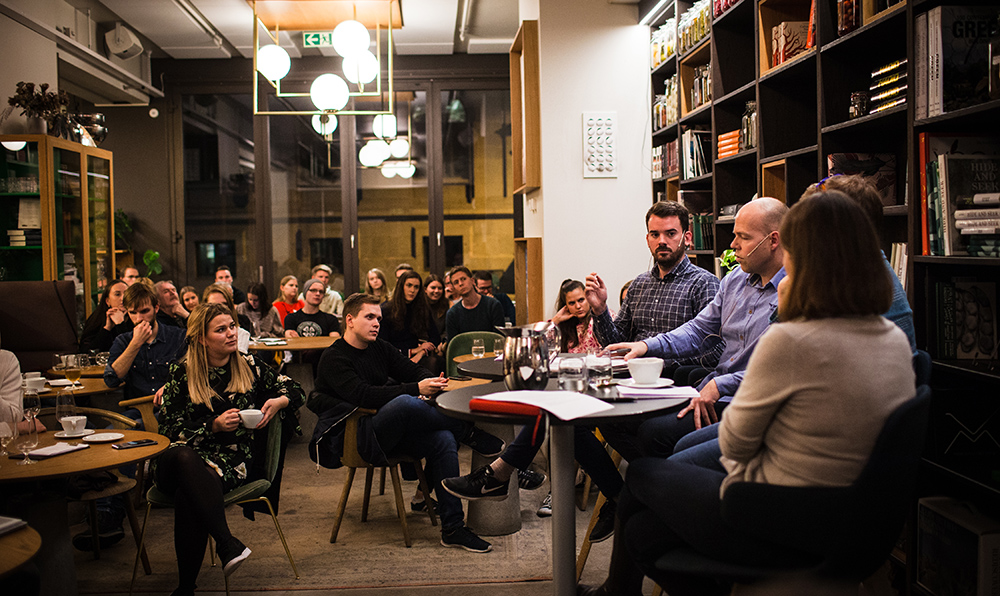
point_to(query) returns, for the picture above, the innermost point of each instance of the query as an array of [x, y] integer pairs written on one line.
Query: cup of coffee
[[251, 418], [73, 425], [36, 383], [645, 371]]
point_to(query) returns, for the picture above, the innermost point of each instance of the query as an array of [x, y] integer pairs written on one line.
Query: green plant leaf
[[152, 260]]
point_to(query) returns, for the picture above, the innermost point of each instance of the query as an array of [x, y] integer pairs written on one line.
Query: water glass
[[498, 347], [102, 358], [478, 348], [65, 404], [8, 432], [599, 369], [572, 375]]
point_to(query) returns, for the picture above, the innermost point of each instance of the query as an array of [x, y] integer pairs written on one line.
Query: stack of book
[[888, 87], [25, 237], [897, 260], [702, 235], [963, 203], [693, 152], [665, 160], [728, 144]]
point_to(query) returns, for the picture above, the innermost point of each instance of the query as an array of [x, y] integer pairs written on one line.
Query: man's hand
[[432, 385], [703, 406], [635, 349], [226, 421], [597, 294], [142, 333], [291, 333], [271, 408]]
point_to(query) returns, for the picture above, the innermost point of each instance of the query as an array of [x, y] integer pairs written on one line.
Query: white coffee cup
[[645, 371], [73, 424], [251, 418], [31, 375], [36, 383]]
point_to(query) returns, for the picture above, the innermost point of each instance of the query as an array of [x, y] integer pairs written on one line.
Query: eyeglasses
[[316, 291]]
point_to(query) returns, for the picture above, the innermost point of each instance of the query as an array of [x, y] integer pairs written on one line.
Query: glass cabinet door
[[101, 244], [69, 257], [20, 213]]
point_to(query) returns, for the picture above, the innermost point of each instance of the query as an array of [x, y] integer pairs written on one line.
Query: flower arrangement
[[37, 103]]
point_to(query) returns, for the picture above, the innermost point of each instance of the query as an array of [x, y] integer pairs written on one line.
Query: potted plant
[[38, 103], [727, 261], [152, 261]]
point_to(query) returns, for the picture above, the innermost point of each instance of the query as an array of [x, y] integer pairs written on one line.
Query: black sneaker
[[605, 526], [463, 537], [480, 484], [109, 533], [529, 479], [421, 506], [232, 554], [484, 443], [545, 509]]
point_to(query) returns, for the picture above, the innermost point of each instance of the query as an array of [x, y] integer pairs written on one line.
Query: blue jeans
[[700, 448], [659, 436], [410, 426]]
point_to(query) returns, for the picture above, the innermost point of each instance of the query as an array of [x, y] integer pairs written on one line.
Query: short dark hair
[[460, 269], [860, 189], [354, 303], [837, 267], [664, 209], [138, 294], [223, 268], [483, 275]]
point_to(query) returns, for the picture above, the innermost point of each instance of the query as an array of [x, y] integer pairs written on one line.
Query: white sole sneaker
[[235, 563]]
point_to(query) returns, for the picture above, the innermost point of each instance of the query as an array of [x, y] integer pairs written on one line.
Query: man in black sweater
[[355, 372], [474, 312]]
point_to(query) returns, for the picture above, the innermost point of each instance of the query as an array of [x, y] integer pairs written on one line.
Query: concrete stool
[[496, 518]]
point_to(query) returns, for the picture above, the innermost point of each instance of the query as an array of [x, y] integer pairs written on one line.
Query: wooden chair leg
[[368, 493], [657, 590], [211, 551], [133, 522], [425, 489], [381, 482], [142, 539], [581, 559], [585, 495], [397, 489], [342, 506]]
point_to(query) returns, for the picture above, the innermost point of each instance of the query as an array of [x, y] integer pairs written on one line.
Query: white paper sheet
[[565, 405], [648, 393], [57, 449]]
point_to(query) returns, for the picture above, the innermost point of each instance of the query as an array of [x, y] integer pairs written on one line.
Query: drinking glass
[[478, 348], [498, 347], [572, 375], [102, 358], [553, 340], [599, 369], [8, 432], [74, 368], [65, 404], [29, 440]]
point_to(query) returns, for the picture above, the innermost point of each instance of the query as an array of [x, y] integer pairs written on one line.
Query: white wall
[[27, 56], [594, 57]]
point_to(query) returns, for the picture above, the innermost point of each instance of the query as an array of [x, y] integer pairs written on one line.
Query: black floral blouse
[[230, 454]]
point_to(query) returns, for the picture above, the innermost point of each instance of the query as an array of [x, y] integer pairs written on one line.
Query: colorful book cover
[[965, 38], [961, 178]]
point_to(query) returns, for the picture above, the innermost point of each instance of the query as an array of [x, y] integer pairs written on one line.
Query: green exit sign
[[317, 39]]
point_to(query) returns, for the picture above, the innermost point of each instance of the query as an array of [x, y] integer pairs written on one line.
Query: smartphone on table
[[131, 444]]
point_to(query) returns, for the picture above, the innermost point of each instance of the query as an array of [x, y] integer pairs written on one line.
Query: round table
[[84, 388], [296, 344], [99, 456], [456, 403], [486, 367], [18, 547], [94, 371]]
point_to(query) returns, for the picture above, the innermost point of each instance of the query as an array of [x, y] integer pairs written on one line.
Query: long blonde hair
[[196, 360]]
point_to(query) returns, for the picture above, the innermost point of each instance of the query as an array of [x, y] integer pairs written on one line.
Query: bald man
[[746, 304]]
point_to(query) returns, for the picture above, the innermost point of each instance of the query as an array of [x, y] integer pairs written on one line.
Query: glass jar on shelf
[[848, 16], [748, 126]]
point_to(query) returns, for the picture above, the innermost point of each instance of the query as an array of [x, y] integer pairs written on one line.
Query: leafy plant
[[728, 261], [37, 103], [152, 261]]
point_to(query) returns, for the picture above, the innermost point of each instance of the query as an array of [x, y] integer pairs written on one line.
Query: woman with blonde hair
[[376, 285], [288, 301], [211, 452]]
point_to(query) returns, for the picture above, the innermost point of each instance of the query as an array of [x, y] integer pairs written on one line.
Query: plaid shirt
[[657, 305]]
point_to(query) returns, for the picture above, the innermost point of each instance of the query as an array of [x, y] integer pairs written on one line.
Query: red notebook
[[508, 407]]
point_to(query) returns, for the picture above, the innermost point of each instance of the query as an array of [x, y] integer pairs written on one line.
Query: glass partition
[[98, 218], [70, 256], [20, 213]]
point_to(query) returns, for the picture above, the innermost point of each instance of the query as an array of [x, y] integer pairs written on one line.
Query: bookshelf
[[803, 109]]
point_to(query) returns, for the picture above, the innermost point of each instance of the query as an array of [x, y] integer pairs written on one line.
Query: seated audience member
[[263, 317], [333, 302], [401, 268], [863, 191], [225, 277], [375, 286], [408, 325], [130, 275], [739, 314], [108, 321], [11, 407], [287, 301], [310, 321], [439, 305], [354, 373], [815, 397], [484, 285], [212, 453], [473, 311], [189, 298], [171, 311], [576, 326], [222, 294], [449, 290]]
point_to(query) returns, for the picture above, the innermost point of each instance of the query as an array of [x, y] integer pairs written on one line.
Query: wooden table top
[[296, 344], [18, 547], [94, 371], [86, 387], [99, 456], [467, 357]]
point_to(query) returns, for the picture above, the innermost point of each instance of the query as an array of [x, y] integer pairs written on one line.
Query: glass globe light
[[361, 67], [399, 147], [329, 92], [14, 145], [406, 171], [350, 37], [381, 149], [369, 157], [389, 170], [324, 128], [384, 125], [273, 62]]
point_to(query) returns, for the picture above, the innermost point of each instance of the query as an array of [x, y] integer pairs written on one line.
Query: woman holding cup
[[212, 452]]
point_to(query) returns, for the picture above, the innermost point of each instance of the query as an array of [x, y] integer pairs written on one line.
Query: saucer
[[83, 433], [658, 384], [103, 437]]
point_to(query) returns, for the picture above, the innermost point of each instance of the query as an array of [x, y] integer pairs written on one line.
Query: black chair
[[843, 534], [922, 367]]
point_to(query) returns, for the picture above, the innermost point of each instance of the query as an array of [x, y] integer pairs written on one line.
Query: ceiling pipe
[[463, 28]]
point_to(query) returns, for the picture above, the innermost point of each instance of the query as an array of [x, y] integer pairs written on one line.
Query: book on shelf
[[967, 327], [880, 168], [920, 66], [960, 178], [897, 260], [958, 58], [958, 545], [694, 156]]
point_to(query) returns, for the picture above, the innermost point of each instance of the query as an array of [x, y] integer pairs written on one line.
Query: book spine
[[920, 94], [986, 198], [946, 208], [977, 214], [934, 49], [976, 223], [922, 174], [980, 231], [936, 189], [947, 329]]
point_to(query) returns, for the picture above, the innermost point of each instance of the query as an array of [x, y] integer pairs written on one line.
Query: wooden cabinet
[[57, 213]]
